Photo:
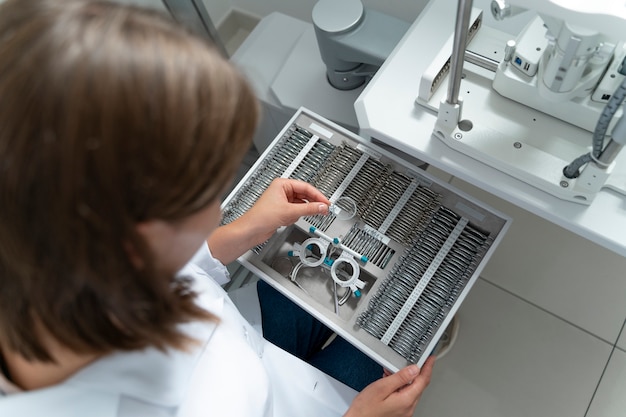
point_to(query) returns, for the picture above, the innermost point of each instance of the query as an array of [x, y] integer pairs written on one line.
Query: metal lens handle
[[321, 245]]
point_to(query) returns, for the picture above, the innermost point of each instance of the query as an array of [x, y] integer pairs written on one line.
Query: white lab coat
[[232, 372]]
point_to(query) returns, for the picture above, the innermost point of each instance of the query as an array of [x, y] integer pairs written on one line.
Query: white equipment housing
[[536, 113]]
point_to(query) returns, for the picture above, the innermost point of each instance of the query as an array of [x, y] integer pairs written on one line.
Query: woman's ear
[[154, 233]]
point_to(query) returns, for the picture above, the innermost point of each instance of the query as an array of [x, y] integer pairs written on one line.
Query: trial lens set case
[[391, 263]]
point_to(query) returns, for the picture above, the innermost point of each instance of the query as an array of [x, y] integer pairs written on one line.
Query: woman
[[119, 131]]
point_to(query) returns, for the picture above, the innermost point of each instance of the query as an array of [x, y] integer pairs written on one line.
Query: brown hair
[[110, 115]]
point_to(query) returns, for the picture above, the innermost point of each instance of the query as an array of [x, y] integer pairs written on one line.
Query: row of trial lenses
[[313, 161], [422, 314], [419, 257], [422, 317], [321, 221], [385, 200], [271, 167], [377, 252], [414, 216], [404, 276], [439, 295], [417, 347], [419, 328], [364, 187], [279, 160], [395, 290], [337, 167]]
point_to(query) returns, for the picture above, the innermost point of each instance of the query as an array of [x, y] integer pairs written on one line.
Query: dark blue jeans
[[291, 328]]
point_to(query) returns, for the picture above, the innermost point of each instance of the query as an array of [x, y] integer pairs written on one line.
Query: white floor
[[539, 331]]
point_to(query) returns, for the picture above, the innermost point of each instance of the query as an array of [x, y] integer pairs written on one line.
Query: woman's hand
[[395, 395], [282, 204]]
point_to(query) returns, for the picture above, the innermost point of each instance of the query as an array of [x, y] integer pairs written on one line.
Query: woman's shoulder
[[204, 264], [229, 379]]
